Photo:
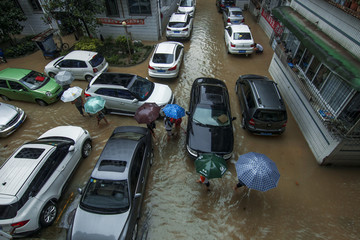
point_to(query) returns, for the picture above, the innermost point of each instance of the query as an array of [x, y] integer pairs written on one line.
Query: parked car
[[233, 15], [166, 60], [179, 26], [263, 108], [223, 4], [187, 6], [28, 85], [125, 93], [82, 64], [209, 128], [11, 118], [34, 176], [238, 40], [110, 204]]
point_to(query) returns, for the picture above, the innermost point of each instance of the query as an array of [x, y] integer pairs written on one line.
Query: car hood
[[92, 226], [185, 9], [7, 112], [161, 94], [72, 132], [215, 139]]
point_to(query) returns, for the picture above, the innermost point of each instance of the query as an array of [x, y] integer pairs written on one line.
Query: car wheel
[[51, 74], [41, 102], [48, 214], [135, 232], [88, 78], [5, 98], [86, 148]]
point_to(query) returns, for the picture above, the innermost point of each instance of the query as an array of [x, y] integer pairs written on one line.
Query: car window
[[177, 24], [125, 94], [178, 51], [229, 31], [249, 98], [16, 86], [141, 88], [117, 93], [65, 64], [106, 196], [78, 64], [96, 60], [236, 13], [136, 167], [163, 58], [3, 84], [242, 36]]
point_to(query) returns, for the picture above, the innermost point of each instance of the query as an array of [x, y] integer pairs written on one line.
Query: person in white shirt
[[258, 48]]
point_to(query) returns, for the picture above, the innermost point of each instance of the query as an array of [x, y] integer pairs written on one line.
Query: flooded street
[[310, 202]]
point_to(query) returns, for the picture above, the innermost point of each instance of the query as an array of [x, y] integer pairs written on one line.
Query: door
[[18, 91]]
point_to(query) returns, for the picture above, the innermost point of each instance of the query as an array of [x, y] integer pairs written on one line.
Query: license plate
[[267, 134], [176, 31], [18, 124], [236, 21], [242, 51], [161, 70]]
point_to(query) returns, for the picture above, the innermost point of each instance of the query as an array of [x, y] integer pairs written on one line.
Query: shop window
[[112, 9], [139, 7], [351, 113]]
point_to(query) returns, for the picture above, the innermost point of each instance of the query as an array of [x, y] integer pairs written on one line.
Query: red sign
[[119, 22], [275, 25]]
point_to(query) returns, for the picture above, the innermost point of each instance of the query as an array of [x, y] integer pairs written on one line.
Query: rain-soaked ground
[[310, 202]]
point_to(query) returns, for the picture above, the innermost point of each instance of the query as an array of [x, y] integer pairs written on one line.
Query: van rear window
[[96, 60], [270, 116], [32, 153]]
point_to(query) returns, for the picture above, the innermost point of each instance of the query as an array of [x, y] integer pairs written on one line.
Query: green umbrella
[[94, 104], [210, 166]]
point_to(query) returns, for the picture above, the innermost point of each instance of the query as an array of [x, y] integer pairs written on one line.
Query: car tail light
[[252, 45], [95, 70], [243, 20], [150, 67], [87, 95], [228, 20], [173, 68], [232, 45], [19, 224], [186, 29], [222, 5], [252, 122], [284, 125]]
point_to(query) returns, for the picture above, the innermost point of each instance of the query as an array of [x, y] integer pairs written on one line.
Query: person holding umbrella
[[79, 104], [73, 95], [204, 181], [168, 126], [148, 113], [95, 105], [172, 113], [239, 185]]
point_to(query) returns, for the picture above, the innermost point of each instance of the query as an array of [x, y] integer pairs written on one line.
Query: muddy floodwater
[[310, 201]]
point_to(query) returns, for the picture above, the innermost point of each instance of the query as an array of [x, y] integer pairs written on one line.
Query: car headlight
[[49, 94], [2, 127]]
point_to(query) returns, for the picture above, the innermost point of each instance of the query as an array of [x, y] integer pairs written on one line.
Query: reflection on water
[[310, 202]]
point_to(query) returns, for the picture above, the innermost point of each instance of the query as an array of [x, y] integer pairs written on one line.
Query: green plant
[[88, 44], [22, 48], [114, 59], [123, 44]]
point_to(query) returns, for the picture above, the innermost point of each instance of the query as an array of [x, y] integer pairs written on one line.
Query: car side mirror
[[71, 148], [80, 191], [137, 195]]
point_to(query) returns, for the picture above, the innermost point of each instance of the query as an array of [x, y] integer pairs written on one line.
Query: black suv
[[263, 108], [223, 4]]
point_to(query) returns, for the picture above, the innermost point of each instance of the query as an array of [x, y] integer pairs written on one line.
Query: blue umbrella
[[94, 104], [174, 111], [257, 171]]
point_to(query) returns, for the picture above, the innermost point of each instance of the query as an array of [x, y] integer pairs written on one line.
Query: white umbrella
[[71, 94], [64, 78]]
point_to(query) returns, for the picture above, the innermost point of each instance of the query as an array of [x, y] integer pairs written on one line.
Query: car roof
[[118, 79], [178, 17], [211, 91], [14, 73], [240, 28], [117, 151], [234, 9], [80, 55], [166, 47], [15, 171]]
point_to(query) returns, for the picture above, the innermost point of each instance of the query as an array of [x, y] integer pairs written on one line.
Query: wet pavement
[[310, 202]]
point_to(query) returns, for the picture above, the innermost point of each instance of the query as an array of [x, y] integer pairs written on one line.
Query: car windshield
[[96, 60], [242, 36], [163, 58], [34, 80], [106, 196], [177, 24], [211, 116], [141, 88], [270, 116], [186, 3]]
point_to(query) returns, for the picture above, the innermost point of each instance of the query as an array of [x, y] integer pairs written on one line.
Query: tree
[[79, 13], [9, 20]]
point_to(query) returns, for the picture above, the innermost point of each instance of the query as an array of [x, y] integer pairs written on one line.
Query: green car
[[28, 85]]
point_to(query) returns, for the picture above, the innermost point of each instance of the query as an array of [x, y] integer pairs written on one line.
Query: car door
[[79, 68], [228, 34], [64, 65], [18, 91], [225, 15], [4, 88], [179, 53]]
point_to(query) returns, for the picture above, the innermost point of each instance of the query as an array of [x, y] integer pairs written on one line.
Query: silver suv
[[110, 204], [125, 93], [35, 175], [263, 108]]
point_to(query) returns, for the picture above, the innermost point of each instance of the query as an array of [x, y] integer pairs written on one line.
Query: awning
[[337, 58]]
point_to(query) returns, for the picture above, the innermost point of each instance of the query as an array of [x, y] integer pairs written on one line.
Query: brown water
[[310, 202]]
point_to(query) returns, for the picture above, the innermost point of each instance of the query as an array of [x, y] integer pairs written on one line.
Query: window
[[78, 64], [3, 84], [35, 5], [16, 86], [178, 51], [315, 63], [321, 76], [112, 9], [305, 60], [141, 7], [65, 64]]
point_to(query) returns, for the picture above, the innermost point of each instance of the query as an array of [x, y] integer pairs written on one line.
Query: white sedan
[[166, 60], [238, 40]]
